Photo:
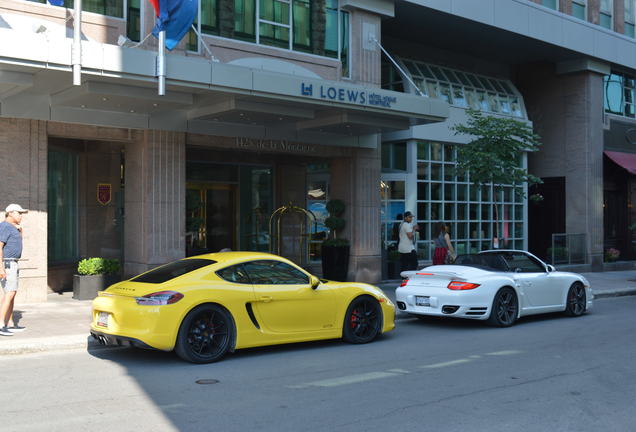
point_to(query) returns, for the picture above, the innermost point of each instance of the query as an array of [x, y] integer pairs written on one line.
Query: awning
[[625, 160]]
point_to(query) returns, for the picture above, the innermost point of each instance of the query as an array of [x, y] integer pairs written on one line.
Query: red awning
[[626, 160]]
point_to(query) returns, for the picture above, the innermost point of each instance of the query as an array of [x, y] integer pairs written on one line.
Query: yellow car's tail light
[[159, 298]]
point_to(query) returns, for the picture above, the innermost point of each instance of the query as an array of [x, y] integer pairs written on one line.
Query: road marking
[[345, 380], [506, 352], [445, 364], [400, 371], [474, 356], [171, 407]]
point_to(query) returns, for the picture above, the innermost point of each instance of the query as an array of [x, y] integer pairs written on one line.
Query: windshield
[[170, 271]]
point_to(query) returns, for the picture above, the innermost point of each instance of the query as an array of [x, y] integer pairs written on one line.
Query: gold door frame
[[275, 236]]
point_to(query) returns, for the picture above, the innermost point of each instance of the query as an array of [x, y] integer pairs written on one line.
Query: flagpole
[[161, 63], [77, 43]]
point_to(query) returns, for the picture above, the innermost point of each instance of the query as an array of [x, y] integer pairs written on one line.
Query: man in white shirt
[[406, 243]]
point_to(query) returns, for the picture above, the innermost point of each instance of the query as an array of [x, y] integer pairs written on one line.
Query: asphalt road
[[547, 373]]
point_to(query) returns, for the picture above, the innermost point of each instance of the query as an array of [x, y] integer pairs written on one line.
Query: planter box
[[85, 287], [335, 262]]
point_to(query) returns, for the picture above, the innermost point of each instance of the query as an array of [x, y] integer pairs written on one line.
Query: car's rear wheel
[[505, 308], [205, 335], [363, 320], [576, 300]]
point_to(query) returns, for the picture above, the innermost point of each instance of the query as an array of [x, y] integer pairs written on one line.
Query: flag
[[175, 17], [56, 2]]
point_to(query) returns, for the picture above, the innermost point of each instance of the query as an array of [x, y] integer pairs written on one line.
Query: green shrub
[[98, 266], [335, 223]]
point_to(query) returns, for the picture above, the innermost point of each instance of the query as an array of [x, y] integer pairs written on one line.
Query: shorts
[[10, 283]]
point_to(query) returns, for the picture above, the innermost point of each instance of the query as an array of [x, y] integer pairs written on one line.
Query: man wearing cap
[[406, 243], [10, 253]]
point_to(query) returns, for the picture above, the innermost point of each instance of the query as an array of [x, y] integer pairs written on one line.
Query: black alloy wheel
[[576, 300], [505, 307], [206, 334], [363, 320]]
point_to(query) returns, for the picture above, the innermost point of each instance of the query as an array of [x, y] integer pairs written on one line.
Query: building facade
[[267, 104], [564, 66], [272, 103]]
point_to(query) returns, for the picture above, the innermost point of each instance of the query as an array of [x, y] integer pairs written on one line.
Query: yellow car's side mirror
[[314, 281]]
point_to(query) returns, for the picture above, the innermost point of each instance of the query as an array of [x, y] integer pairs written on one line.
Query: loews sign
[[347, 95]]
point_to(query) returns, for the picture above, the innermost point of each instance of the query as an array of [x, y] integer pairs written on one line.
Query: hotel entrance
[[227, 207]]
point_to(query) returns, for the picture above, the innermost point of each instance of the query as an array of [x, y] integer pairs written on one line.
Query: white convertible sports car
[[495, 285]]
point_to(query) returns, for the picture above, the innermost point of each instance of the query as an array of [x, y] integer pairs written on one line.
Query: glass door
[[210, 218]]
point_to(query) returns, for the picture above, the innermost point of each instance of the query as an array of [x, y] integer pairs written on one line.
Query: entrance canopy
[[119, 88], [625, 160]]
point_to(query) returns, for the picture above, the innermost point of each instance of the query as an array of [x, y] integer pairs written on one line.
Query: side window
[[235, 274], [524, 263], [268, 272]]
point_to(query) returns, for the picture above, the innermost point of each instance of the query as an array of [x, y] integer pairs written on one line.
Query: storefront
[[110, 168]]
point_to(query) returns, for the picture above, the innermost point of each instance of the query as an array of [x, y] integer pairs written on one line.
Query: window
[[393, 157], [579, 9], [62, 207], [270, 272], [133, 21], [209, 17], [234, 274], [245, 19], [619, 93], [605, 16], [274, 22], [444, 195], [114, 8], [552, 4], [522, 263], [460, 89], [629, 18], [317, 180], [301, 14], [170, 271], [393, 196]]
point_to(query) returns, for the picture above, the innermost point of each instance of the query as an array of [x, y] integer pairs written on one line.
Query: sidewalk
[[63, 323]]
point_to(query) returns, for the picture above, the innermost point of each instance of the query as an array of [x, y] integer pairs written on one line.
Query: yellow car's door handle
[[265, 299]]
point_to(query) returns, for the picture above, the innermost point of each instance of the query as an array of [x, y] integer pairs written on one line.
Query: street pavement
[[547, 373], [63, 323]]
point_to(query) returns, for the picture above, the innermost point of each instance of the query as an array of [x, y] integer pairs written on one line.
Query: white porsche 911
[[499, 286]]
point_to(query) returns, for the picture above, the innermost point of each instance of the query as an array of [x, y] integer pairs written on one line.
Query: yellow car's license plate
[[102, 319]]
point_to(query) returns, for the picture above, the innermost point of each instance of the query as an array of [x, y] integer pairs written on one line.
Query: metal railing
[[568, 249]]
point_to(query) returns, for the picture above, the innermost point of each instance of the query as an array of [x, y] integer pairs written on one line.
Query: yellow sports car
[[208, 305]]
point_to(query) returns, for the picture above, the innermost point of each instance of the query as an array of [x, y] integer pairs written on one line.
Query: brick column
[[154, 227], [356, 181]]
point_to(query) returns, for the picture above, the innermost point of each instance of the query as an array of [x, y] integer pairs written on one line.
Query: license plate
[[422, 301], [102, 319]]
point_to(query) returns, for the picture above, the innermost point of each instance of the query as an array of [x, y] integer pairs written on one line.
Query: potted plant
[[612, 254], [93, 275], [335, 250]]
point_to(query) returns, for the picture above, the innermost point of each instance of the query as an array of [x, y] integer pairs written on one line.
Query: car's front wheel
[[576, 300], [205, 335], [363, 320], [505, 308]]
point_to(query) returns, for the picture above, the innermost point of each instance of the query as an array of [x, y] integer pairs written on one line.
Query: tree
[[493, 156]]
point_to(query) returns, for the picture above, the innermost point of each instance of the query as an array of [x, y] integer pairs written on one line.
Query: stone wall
[[23, 165]]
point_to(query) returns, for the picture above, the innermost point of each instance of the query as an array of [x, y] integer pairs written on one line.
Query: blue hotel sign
[[353, 96]]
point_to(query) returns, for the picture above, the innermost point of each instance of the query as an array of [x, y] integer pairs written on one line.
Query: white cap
[[15, 207]]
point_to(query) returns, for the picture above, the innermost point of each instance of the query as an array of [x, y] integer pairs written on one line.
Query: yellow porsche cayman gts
[[206, 306]]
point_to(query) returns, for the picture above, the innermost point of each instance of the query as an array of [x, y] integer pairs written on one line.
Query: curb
[[45, 344], [615, 293]]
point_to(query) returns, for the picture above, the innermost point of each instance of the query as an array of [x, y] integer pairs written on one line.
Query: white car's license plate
[[102, 319], [422, 301]]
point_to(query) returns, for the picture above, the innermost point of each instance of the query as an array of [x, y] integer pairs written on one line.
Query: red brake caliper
[[354, 314]]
